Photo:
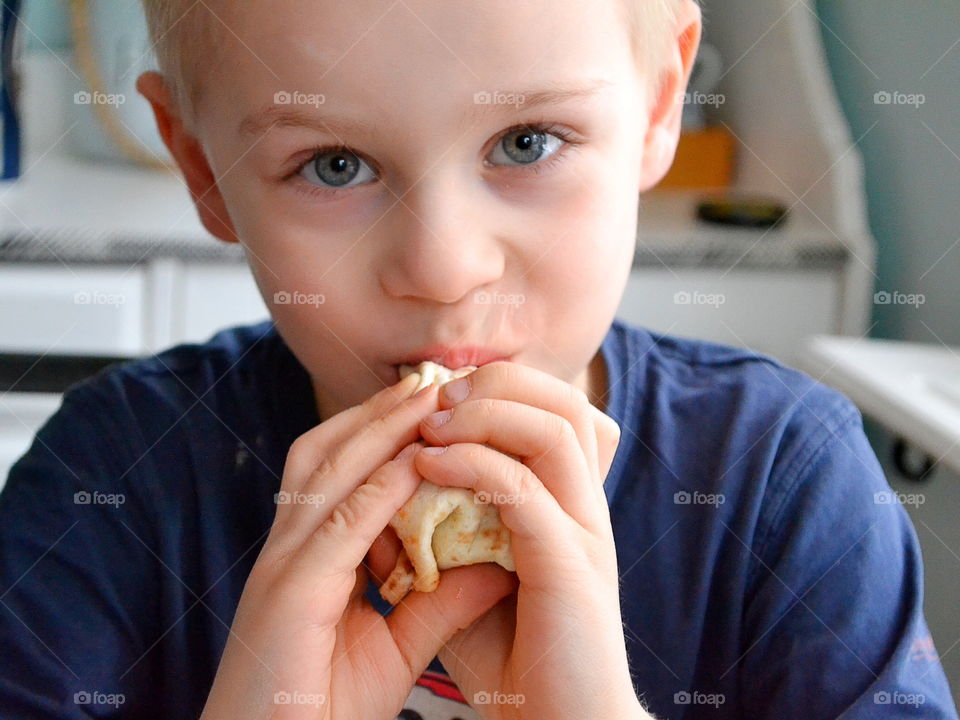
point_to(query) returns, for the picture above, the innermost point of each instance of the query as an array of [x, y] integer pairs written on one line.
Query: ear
[[666, 109], [188, 153]]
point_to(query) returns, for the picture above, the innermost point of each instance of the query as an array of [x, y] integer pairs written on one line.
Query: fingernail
[[457, 390], [408, 451], [424, 390], [438, 418], [435, 450], [406, 386]]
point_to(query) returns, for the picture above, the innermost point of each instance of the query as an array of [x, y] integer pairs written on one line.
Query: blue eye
[[526, 146], [336, 168], [331, 169]]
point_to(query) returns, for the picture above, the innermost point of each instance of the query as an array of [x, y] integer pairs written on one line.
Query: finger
[[608, 440], [423, 622], [543, 536], [527, 385], [486, 635], [383, 554], [340, 543], [307, 450], [544, 441], [360, 584], [342, 469], [346, 467]]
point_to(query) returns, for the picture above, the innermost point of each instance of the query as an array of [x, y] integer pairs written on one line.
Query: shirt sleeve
[[834, 625], [77, 579]]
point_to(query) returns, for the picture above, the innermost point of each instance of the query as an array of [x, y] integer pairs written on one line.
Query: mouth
[[452, 357]]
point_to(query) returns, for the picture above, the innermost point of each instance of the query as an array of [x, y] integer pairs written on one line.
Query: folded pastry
[[441, 528]]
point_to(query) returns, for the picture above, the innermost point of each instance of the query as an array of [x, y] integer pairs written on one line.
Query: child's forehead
[[493, 40], [440, 57]]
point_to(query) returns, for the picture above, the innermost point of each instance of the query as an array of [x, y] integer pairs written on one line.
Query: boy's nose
[[440, 251]]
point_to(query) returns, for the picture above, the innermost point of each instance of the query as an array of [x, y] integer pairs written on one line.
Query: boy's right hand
[[305, 642]]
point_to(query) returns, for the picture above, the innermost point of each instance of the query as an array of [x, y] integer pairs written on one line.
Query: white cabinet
[[769, 311], [190, 301], [213, 297], [115, 311], [60, 310]]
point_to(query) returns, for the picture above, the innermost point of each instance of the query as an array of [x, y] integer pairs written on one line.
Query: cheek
[[587, 242], [277, 223], [288, 253]]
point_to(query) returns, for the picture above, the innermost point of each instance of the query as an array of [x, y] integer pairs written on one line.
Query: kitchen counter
[[670, 235], [66, 210]]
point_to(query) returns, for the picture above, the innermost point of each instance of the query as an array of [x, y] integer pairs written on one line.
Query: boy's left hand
[[555, 647]]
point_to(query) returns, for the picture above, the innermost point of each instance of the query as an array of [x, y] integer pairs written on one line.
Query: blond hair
[[182, 31], [650, 24]]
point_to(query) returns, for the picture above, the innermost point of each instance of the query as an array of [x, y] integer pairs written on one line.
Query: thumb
[[423, 622], [608, 439]]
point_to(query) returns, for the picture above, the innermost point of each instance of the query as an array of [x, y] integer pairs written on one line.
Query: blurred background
[[812, 214]]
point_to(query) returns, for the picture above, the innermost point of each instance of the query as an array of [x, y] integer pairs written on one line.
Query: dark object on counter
[[743, 212], [10, 77], [914, 465]]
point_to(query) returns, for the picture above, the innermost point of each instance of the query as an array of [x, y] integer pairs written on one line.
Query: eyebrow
[[274, 115]]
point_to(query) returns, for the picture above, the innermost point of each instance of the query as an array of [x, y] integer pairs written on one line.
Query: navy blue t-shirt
[[766, 570]]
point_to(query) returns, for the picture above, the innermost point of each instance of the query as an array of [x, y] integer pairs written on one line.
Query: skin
[[399, 260]]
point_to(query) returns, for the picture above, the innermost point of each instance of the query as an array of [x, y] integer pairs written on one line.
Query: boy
[[394, 172]]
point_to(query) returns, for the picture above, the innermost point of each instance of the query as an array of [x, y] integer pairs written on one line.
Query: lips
[[454, 357]]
